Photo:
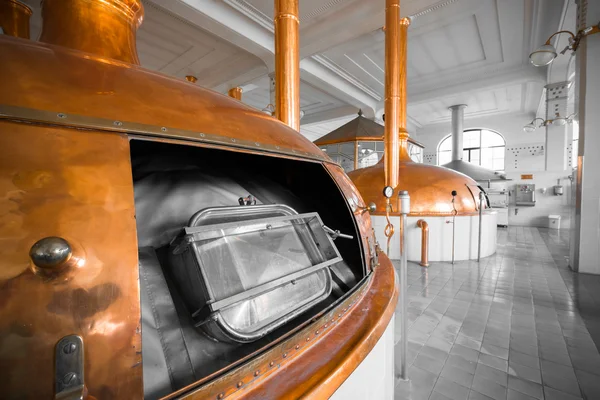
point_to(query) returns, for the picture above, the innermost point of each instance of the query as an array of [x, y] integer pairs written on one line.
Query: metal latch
[[68, 377], [336, 234]]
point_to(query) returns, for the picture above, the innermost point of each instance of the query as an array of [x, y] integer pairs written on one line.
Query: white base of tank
[[374, 377], [440, 237]]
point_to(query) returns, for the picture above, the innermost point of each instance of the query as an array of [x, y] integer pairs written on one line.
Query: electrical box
[[525, 195], [558, 190]]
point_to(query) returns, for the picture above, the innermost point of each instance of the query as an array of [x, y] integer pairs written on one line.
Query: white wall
[[525, 155]]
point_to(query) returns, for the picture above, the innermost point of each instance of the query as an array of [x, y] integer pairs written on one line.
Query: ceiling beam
[[482, 81], [245, 31]]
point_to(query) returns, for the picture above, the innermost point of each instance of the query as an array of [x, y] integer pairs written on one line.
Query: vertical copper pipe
[[287, 63], [236, 93], [14, 18], [106, 28], [402, 81], [424, 242], [392, 92], [355, 155], [396, 134]]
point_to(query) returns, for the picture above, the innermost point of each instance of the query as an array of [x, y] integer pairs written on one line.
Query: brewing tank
[[430, 187], [103, 164]]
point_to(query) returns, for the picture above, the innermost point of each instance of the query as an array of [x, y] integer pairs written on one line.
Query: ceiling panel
[[312, 100], [314, 131], [307, 9], [479, 103]]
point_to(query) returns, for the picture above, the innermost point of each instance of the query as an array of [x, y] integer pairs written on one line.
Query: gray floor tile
[[514, 395], [468, 342], [419, 385], [489, 388], [553, 394], [560, 377], [514, 318], [524, 359], [529, 388], [492, 374], [457, 375], [523, 372], [451, 389], [497, 351], [473, 395], [590, 384], [465, 352], [438, 396], [494, 362], [430, 364], [460, 362]]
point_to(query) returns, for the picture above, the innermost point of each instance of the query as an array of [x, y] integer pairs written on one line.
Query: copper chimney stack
[[395, 133], [14, 18], [287, 63], [106, 28]]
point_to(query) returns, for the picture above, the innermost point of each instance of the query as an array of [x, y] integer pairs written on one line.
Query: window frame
[[471, 150]]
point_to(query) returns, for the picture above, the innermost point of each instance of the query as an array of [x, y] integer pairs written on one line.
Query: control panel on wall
[[525, 194]]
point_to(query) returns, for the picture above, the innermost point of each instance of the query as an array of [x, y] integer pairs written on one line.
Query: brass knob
[[371, 208], [50, 252]]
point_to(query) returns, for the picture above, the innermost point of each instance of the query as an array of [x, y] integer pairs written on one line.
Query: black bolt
[[69, 348]]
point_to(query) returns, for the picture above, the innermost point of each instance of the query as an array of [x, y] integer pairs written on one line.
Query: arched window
[[480, 146]]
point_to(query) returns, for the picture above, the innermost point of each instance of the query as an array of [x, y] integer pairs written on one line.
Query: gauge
[[388, 191]]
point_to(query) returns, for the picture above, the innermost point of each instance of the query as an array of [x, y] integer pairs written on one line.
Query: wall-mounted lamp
[[556, 121], [530, 127], [545, 54]]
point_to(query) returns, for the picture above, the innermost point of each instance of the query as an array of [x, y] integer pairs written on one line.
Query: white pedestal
[[440, 237]]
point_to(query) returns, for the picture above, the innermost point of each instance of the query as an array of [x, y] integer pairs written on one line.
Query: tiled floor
[[514, 326]]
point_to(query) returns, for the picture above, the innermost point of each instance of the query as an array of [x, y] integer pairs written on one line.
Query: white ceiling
[[459, 51]]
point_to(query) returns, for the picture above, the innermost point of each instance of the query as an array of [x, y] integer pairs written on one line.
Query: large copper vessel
[[73, 110]]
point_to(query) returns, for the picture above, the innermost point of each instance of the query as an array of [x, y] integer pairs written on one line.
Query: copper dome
[[430, 187]]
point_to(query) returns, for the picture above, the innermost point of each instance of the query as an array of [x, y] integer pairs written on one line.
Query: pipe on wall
[[287, 63], [424, 242]]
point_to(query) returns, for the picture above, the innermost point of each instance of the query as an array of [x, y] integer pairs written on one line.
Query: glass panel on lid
[[257, 273]]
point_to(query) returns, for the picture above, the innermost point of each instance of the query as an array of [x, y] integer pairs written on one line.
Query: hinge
[[68, 377]]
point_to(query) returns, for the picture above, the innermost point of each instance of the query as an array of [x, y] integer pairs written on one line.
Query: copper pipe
[[395, 133], [392, 92], [14, 18], [424, 242], [191, 78], [236, 93], [106, 28], [287, 63]]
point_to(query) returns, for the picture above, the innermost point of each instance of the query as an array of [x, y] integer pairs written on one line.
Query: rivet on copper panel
[[284, 355], [256, 373], [220, 396], [271, 364], [240, 384], [297, 346]]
